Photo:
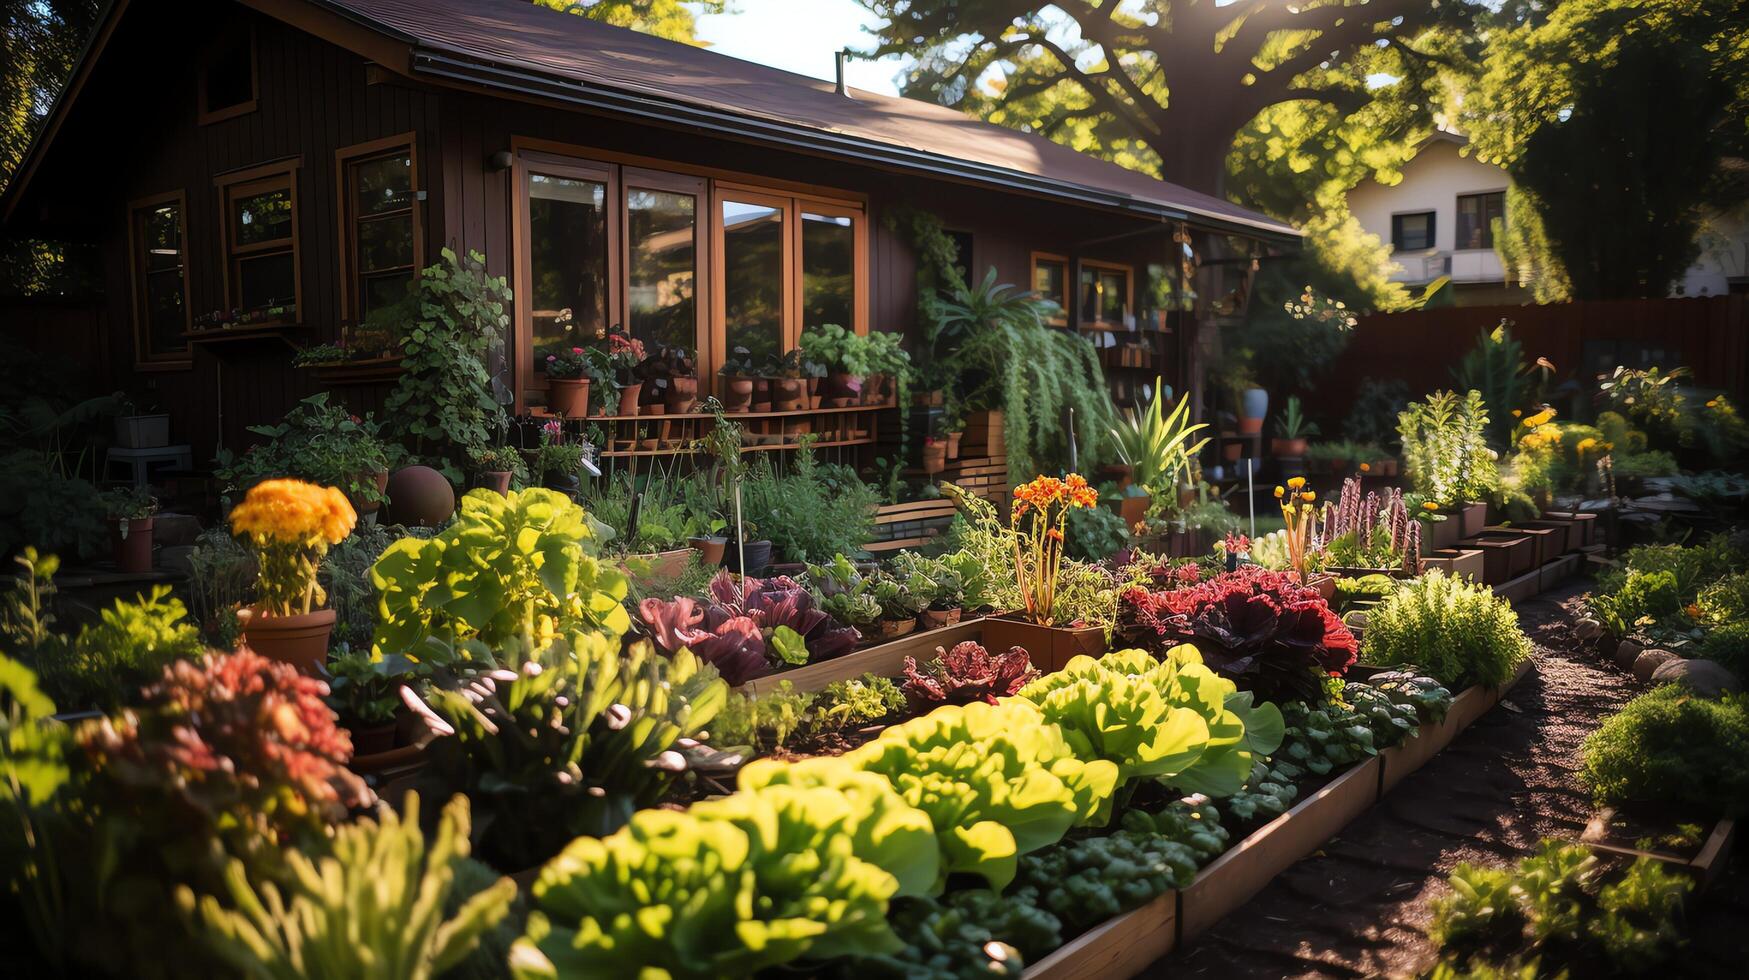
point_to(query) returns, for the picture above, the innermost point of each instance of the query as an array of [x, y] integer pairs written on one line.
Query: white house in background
[[1439, 221]]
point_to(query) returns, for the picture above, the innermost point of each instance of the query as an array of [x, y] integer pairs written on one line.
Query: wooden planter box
[[1590, 531], [1472, 703], [1704, 866], [1549, 543], [1440, 535], [1568, 534], [884, 660], [1506, 555], [1051, 647], [1557, 571], [1124, 946], [1473, 517], [1457, 563], [1231, 879]]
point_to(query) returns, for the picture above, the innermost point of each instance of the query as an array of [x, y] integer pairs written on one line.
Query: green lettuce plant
[[998, 781], [372, 906], [570, 737], [507, 566], [726, 889]]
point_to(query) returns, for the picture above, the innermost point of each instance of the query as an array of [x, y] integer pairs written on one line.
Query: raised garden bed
[[1615, 833], [1505, 555], [885, 660]]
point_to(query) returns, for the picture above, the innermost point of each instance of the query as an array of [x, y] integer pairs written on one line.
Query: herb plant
[[1458, 632], [1445, 448]]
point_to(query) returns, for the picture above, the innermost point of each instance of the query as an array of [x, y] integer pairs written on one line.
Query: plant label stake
[[740, 546], [1251, 492]]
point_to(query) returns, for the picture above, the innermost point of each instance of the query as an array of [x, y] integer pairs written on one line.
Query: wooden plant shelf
[[370, 370], [884, 660]]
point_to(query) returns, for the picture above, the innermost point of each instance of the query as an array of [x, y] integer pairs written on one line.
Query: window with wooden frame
[[158, 264], [381, 248], [1476, 214], [1105, 298], [1050, 280], [229, 84], [258, 217]]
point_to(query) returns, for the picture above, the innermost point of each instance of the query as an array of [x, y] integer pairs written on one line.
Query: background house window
[[828, 270], [1105, 293], [753, 278], [159, 254], [261, 243], [567, 260], [1050, 280], [380, 239], [1476, 214], [227, 85], [662, 298], [1412, 232]]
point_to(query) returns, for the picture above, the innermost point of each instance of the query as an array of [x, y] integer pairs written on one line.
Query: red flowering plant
[[968, 673], [624, 354], [1041, 511], [1261, 628]]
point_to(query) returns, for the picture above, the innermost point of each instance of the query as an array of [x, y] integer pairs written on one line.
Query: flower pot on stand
[[816, 392], [1249, 426], [710, 549], [1050, 647], [142, 431], [843, 389], [953, 445], [788, 395], [497, 481], [628, 397], [300, 640], [1295, 448], [1133, 510], [1254, 404], [874, 390], [682, 395], [130, 544], [934, 457], [737, 393], [568, 397]]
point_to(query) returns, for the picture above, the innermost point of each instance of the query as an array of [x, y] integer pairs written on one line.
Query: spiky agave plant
[[1156, 444]]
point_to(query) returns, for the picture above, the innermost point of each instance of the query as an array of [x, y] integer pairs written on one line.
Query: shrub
[[1671, 747], [1729, 646], [725, 889], [1725, 601], [998, 781], [506, 566], [570, 738], [1262, 629], [1095, 534], [1644, 595], [316, 442], [1457, 632], [813, 511], [376, 897], [1445, 448]]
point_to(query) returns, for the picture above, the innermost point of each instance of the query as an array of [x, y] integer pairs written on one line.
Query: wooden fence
[[1709, 335]]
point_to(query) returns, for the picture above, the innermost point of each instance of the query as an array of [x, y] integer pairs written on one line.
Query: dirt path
[[1359, 907]]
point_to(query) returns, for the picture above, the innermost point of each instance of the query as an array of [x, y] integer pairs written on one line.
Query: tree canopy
[[675, 20]]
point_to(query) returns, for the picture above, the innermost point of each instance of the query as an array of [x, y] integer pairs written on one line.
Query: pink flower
[[551, 357], [576, 350]]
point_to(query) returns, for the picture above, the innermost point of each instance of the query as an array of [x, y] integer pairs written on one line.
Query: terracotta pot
[[788, 394], [892, 629], [816, 392], [934, 619], [1051, 647], [843, 389], [373, 740], [1287, 447], [1133, 510], [682, 395], [710, 550], [300, 640], [628, 398], [1250, 427], [130, 544], [953, 444], [1231, 451], [419, 496], [1120, 473], [737, 393], [366, 507], [934, 457], [497, 481], [568, 397], [874, 390], [654, 408]]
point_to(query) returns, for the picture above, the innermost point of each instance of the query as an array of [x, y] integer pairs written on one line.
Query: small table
[[140, 461]]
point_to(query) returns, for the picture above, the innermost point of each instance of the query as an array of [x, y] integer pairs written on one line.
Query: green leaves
[[754, 880], [997, 781], [1156, 445], [789, 646]]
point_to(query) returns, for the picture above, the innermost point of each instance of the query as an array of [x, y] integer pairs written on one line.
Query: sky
[[800, 36]]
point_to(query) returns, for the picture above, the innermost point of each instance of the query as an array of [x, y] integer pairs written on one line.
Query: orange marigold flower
[[1296, 483], [1429, 506], [1308, 496], [1366, 467]]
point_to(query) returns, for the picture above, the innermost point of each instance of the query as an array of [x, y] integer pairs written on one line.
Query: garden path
[[1360, 906]]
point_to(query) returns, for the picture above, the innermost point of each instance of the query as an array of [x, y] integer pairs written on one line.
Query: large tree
[[1622, 124], [1163, 85]]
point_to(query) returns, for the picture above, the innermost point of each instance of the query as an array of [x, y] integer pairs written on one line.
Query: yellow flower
[[1296, 483], [1308, 496], [1429, 506], [1541, 418], [293, 512], [1516, 413], [1279, 493]]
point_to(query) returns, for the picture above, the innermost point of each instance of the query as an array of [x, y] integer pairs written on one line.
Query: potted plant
[[788, 389], [899, 606], [1155, 445], [140, 426], [1292, 428], [737, 373], [324, 444], [936, 583], [365, 691], [500, 468], [846, 357], [1448, 462], [934, 455], [889, 368], [1037, 520], [1133, 505], [624, 354], [130, 513], [558, 461], [290, 525], [569, 371]]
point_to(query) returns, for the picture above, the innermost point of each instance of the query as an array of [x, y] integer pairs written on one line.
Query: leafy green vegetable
[[1084, 881]]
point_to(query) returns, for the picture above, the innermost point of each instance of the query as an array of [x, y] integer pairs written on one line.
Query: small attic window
[[227, 76]]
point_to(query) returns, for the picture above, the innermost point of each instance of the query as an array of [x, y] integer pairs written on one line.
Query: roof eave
[[454, 68]]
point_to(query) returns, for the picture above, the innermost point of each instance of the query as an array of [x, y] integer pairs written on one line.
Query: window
[[1412, 232], [379, 233], [569, 255], [158, 256], [789, 264], [227, 84], [754, 244], [260, 232], [1476, 214], [1105, 294], [828, 269], [1050, 280], [663, 246]]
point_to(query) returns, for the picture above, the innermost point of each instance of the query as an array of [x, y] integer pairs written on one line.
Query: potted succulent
[[569, 371], [138, 426], [1037, 521], [130, 513], [365, 691], [1292, 429], [558, 461], [500, 468], [737, 373], [290, 525], [624, 354]]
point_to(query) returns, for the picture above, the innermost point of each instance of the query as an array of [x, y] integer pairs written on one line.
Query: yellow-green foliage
[[1459, 633]]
